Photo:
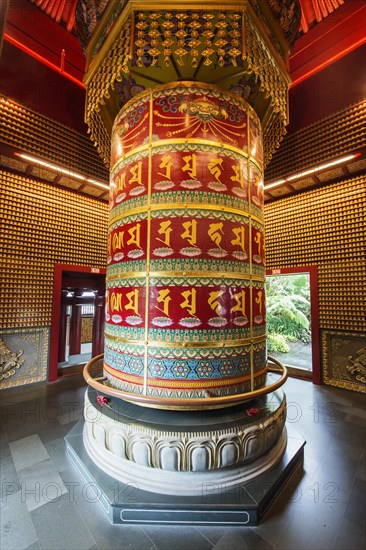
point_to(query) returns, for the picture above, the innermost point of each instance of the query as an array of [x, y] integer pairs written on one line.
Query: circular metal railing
[[210, 402]]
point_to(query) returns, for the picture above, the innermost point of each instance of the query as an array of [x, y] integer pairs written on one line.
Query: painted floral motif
[[133, 320], [136, 366], [226, 368], [180, 369], [204, 369], [157, 369]]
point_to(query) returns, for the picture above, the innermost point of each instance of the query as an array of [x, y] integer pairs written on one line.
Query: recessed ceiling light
[[61, 170], [318, 168]]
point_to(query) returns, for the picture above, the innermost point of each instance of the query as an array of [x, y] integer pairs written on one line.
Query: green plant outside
[[288, 311]]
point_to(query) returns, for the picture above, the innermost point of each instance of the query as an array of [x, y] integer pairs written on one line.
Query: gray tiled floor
[[45, 504]]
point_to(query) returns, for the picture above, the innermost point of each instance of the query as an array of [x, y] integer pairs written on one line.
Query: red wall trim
[[56, 310], [314, 312]]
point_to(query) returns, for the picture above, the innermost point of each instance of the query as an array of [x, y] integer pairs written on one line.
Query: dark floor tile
[[55, 410], [243, 538], [57, 452], [316, 446], [68, 529], [106, 535], [315, 510], [307, 518], [25, 412], [4, 445], [333, 479], [310, 464], [351, 438], [350, 536], [34, 410], [9, 481], [51, 433], [361, 466], [40, 484], [350, 429], [211, 533], [357, 420], [311, 523], [34, 546], [276, 520], [17, 529], [235, 537], [121, 537], [19, 430], [71, 414], [356, 506], [28, 451], [168, 537], [10, 410], [351, 451]]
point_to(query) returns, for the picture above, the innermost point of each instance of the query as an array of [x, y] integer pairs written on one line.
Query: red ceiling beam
[[58, 68], [29, 29], [339, 34]]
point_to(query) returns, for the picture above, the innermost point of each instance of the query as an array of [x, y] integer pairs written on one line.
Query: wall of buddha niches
[[42, 226], [325, 227]]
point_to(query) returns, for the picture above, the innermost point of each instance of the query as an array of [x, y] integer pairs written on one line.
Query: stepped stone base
[[220, 467]]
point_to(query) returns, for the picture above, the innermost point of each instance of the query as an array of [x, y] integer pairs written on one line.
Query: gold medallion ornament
[[9, 361]]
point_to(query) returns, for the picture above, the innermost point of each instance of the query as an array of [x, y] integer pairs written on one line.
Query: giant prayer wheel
[[186, 103], [185, 314]]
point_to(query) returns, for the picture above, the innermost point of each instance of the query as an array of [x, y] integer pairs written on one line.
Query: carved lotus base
[[170, 451]]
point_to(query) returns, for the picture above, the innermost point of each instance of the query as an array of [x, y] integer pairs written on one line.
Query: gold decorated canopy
[[240, 47]]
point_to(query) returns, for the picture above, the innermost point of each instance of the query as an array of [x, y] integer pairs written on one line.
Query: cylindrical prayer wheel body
[[185, 314]]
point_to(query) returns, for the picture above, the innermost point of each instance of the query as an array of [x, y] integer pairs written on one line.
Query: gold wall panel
[[345, 359], [43, 226], [29, 131], [325, 227], [329, 138], [86, 329], [30, 347]]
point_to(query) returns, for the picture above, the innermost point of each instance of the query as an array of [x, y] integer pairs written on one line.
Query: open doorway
[[77, 332], [292, 320]]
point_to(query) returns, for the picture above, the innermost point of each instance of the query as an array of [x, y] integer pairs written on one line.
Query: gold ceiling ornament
[[241, 48]]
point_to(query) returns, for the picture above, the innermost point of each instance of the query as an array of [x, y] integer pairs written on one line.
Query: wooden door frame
[[312, 270], [56, 309]]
